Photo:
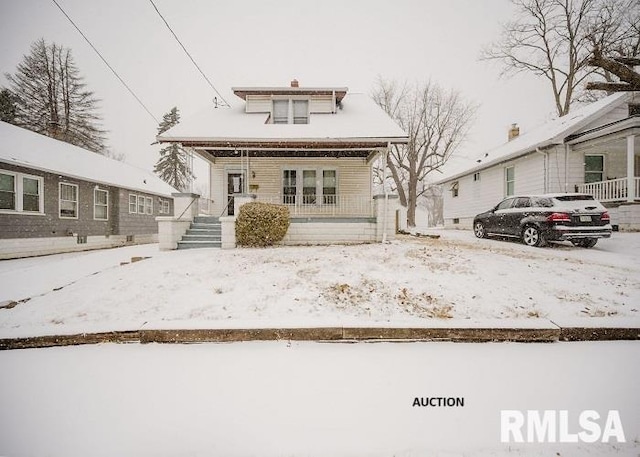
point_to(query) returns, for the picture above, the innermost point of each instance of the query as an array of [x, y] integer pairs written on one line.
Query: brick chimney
[[514, 131], [294, 83]]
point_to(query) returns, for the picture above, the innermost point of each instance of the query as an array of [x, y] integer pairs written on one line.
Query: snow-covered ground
[[412, 281], [309, 399]]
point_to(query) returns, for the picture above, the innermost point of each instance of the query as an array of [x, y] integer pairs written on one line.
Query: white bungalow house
[[594, 150], [310, 148]]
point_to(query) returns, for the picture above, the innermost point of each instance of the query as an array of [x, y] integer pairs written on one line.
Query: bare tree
[[436, 121], [555, 38], [51, 98]]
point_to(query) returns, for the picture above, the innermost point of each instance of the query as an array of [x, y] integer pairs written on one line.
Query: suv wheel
[[532, 236], [478, 229]]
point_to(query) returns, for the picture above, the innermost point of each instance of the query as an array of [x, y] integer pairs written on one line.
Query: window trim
[[77, 201], [299, 197], [95, 204], [18, 193], [507, 181]]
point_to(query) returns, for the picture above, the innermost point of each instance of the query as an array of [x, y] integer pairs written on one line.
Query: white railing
[[326, 206], [607, 191]]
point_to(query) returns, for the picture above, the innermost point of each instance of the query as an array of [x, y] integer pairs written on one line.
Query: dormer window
[[290, 111]]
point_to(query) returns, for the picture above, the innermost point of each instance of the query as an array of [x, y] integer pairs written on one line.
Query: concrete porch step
[[202, 237], [198, 244]]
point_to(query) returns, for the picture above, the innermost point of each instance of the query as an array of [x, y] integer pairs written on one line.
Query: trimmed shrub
[[261, 224]]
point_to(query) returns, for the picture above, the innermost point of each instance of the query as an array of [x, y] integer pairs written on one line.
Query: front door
[[235, 185]]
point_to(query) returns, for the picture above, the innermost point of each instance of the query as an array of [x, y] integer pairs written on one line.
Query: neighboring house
[[310, 148], [56, 197], [594, 150]]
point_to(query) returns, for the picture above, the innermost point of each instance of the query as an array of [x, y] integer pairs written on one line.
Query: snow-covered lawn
[[275, 399], [412, 281]]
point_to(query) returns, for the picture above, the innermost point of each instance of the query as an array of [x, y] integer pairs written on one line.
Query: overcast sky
[[269, 42]]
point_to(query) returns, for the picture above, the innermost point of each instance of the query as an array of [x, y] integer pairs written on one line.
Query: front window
[[163, 206], [510, 180], [329, 187], [68, 201], [310, 188], [31, 194], [100, 204], [593, 168], [140, 204], [289, 187]]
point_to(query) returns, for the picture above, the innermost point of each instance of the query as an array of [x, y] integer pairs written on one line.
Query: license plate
[[585, 218]]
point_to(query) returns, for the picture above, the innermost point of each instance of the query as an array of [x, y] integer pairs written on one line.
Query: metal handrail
[[188, 206]]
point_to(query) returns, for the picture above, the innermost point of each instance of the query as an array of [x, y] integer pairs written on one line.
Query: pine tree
[[172, 165], [7, 106], [51, 97]]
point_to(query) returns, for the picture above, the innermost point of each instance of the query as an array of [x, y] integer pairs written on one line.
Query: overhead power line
[[106, 63], [187, 53]]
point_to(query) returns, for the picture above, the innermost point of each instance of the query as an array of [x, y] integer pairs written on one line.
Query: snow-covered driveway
[[410, 281], [274, 399]]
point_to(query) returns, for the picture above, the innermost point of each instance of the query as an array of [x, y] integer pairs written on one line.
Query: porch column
[[631, 182]]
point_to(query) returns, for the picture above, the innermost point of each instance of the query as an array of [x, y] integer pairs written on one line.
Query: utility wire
[[187, 53], [107, 63]]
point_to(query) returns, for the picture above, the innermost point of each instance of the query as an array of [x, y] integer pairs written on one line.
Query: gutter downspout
[[545, 169]]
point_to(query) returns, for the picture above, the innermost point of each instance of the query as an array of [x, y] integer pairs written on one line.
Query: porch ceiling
[[288, 153]]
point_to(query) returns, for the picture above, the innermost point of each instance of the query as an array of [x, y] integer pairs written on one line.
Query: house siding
[[475, 197], [354, 176], [20, 225], [138, 224], [49, 224]]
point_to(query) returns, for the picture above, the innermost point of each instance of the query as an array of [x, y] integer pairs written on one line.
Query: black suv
[[578, 218]]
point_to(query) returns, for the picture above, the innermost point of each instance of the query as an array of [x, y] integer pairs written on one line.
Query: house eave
[[242, 92], [305, 143]]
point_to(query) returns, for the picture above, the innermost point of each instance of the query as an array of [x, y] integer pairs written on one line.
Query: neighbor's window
[[593, 168], [21, 193], [7, 191], [68, 201], [455, 188], [133, 203], [140, 204], [163, 206], [148, 205], [329, 187], [100, 204], [510, 180]]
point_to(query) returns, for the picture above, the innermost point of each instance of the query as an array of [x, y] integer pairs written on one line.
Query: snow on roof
[[550, 133], [359, 118], [23, 147]]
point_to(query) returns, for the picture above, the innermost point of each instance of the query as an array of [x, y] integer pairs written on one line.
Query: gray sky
[[270, 42]]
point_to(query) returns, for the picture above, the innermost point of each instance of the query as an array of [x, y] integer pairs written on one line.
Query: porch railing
[[608, 191], [323, 205]]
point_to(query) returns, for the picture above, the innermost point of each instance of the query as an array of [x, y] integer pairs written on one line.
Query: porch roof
[[359, 121]]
